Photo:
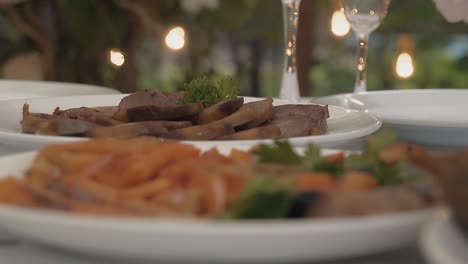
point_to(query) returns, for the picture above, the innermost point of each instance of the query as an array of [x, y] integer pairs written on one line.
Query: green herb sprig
[[210, 92]]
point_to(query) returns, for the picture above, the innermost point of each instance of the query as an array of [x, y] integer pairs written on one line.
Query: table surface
[[14, 251]]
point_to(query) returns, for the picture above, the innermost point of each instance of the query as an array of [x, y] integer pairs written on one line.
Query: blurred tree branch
[[33, 27], [142, 10]]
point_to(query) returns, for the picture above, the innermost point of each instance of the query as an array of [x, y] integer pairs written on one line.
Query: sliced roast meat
[[88, 114], [300, 120], [417, 195], [131, 130], [219, 111], [27, 113], [31, 124], [300, 126], [263, 111], [156, 113], [32, 121], [312, 111], [107, 110], [65, 127], [145, 98], [247, 113], [261, 132], [154, 106], [202, 132]]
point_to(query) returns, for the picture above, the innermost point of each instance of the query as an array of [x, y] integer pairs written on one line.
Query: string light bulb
[[116, 57], [404, 65], [175, 38], [340, 26]]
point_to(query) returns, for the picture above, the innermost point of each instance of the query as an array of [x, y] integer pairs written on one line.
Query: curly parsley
[[210, 92]]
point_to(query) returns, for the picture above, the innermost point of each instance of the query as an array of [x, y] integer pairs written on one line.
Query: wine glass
[[289, 86], [364, 16]]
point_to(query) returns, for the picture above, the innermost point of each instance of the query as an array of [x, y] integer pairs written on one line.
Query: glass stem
[[290, 87], [361, 78]]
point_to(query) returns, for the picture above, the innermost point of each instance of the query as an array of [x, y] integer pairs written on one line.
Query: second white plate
[[434, 118]]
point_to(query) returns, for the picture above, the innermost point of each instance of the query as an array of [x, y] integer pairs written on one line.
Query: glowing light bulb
[[404, 66], [175, 39], [339, 24], [116, 57]]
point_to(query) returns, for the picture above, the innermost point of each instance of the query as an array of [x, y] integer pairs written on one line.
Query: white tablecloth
[[22, 253]]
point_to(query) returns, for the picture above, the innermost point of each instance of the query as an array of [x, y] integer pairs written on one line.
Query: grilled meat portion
[[131, 130], [261, 132], [155, 106], [249, 112], [93, 115], [300, 120], [219, 111], [424, 194]]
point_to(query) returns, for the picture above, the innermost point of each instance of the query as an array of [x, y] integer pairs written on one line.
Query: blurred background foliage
[[124, 44]]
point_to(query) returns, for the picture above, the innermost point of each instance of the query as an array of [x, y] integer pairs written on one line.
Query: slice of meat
[[309, 110], [301, 120], [263, 112], [202, 132], [32, 121], [261, 132], [417, 195], [154, 106], [143, 98], [65, 127], [27, 113], [88, 114], [156, 113], [108, 110], [219, 111], [31, 124], [247, 113], [130, 130], [300, 126]]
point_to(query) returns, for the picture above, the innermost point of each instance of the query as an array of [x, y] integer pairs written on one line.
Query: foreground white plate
[[178, 240], [442, 242], [12, 89], [344, 125], [435, 118]]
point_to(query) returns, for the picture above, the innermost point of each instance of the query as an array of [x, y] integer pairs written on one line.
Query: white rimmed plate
[[199, 241], [442, 242], [343, 125], [13, 89], [434, 117]]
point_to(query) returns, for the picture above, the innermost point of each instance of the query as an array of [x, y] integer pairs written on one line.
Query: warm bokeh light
[[339, 24], [404, 66], [175, 39], [116, 57]]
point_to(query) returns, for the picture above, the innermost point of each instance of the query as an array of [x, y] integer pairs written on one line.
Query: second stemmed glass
[[289, 86], [364, 16]]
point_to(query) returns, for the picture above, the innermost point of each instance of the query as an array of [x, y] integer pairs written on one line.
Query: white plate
[[343, 125], [442, 242], [12, 89], [179, 240], [435, 118]]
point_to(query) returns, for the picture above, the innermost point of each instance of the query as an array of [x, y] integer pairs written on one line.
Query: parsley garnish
[[210, 92]]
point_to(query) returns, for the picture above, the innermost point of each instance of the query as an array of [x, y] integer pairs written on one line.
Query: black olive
[[301, 204]]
